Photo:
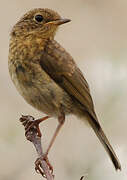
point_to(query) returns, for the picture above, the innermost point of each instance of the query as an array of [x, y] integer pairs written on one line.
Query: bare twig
[[42, 165], [82, 178]]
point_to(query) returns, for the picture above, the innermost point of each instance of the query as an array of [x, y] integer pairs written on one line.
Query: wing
[[61, 67], [63, 70]]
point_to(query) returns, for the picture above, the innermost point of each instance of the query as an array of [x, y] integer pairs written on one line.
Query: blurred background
[[97, 39]]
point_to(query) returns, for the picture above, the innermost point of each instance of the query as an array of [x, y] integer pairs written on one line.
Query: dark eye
[[39, 18]]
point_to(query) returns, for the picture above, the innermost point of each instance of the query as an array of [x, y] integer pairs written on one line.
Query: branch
[[82, 178], [33, 134], [42, 165]]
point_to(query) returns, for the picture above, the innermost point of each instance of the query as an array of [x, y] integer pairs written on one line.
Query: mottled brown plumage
[[47, 76]]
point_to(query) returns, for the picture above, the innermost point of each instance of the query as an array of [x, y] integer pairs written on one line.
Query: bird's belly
[[40, 91]]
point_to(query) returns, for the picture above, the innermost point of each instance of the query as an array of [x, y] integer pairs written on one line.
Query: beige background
[[97, 39]]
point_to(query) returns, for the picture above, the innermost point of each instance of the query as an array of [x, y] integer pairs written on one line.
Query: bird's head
[[39, 22]]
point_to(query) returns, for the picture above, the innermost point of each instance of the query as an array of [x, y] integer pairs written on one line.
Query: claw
[[30, 123], [48, 163], [38, 167]]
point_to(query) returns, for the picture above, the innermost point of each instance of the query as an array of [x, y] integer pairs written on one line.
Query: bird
[[47, 76]]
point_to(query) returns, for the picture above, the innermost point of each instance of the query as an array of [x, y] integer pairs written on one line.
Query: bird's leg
[[32, 124], [61, 120]]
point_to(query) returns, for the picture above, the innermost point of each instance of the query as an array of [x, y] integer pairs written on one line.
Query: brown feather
[[64, 71]]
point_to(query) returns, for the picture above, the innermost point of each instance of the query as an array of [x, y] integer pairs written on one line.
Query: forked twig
[[32, 135], [42, 165]]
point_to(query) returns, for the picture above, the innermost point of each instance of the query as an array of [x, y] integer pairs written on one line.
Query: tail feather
[[103, 139]]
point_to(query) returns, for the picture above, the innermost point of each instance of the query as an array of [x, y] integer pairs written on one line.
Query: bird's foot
[[38, 167], [31, 124]]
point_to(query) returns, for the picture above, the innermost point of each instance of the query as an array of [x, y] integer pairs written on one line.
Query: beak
[[59, 21]]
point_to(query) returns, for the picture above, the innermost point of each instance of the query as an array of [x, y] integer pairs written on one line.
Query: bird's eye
[[39, 18]]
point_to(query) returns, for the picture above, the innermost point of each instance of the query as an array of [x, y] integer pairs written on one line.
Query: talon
[[31, 124], [38, 167], [48, 163]]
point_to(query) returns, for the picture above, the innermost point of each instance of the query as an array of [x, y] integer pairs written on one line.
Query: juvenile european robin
[[46, 75]]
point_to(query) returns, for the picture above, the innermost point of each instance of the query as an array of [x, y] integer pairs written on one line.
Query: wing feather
[[61, 67]]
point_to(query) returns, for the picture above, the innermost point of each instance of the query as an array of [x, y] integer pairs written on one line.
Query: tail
[[103, 139]]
